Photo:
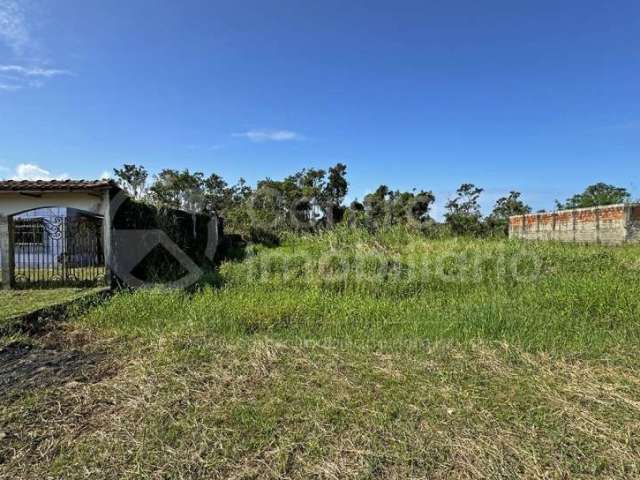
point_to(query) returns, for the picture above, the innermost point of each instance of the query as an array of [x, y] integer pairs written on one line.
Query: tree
[[595, 195], [388, 207], [133, 179], [302, 201], [356, 206], [309, 205], [504, 208], [337, 186], [334, 191], [375, 206], [179, 189], [270, 203], [354, 215], [463, 212], [420, 205], [236, 208], [217, 193]]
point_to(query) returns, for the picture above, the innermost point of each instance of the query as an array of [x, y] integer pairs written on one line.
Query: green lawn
[[349, 355], [16, 302]]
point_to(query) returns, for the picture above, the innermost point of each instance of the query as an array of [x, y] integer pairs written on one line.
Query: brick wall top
[[608, 212]]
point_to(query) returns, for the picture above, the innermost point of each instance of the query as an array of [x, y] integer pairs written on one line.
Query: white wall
[[13, 203]]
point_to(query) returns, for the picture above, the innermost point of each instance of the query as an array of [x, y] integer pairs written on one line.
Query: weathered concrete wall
[[633, 229], [612, 225], [12, 203]]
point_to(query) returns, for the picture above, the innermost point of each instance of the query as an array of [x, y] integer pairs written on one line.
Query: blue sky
[[537, 96]]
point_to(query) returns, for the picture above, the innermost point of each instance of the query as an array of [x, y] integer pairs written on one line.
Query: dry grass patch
[[259, 408]]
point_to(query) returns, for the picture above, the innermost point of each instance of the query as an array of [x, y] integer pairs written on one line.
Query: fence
[[54, 248]]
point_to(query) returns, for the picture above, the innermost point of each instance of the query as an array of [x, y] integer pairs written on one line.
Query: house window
[[29, 231]]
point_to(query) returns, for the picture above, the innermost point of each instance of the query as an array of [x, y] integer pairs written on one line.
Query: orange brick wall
[[610, 225]]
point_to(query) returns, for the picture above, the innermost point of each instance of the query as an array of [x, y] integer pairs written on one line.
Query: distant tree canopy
[[463, 211], [179, 189], [595, 195], [302, 201], [305, 200], [314, 198], [133, 179], [388, 207], [505, 207]]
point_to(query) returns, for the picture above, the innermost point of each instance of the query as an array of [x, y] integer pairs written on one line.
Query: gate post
[[7, 262], [107, 242]]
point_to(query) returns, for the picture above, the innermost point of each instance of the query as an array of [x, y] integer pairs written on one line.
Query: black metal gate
[[58, 250]]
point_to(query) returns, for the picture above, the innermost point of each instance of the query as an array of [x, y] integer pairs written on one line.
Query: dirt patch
[[23, 367]]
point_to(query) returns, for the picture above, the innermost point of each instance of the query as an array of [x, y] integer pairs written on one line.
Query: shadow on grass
[[25, 367]]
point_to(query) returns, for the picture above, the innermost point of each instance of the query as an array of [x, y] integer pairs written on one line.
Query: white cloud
[[106, 175], [13, 26], [17, 77], [29, 171], [9, 87], [270, 135], [32, 71], [15, 33]]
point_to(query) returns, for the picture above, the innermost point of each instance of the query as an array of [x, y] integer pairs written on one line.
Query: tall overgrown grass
[[396, 287]]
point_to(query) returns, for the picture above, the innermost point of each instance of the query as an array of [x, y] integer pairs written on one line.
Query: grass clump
[[398, 288]]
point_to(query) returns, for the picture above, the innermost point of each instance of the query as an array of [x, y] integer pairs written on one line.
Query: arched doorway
[[57, 246]]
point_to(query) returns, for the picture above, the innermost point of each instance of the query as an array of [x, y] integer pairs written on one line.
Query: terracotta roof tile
[[54, 185]]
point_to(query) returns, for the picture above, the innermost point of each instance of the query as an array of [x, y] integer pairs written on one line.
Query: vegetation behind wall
[[138, 226], [313, 200]]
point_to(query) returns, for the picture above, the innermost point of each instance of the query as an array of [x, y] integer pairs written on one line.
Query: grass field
[[17, 302], [349, 355]]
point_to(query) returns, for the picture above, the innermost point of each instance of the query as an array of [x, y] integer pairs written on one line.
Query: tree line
[[313, 199]]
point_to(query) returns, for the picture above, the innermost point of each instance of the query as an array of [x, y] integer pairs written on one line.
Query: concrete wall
[[633, 229], [611, 225], [13, 203]]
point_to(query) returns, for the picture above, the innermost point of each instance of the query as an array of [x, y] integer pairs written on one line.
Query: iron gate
[[58, 250]]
